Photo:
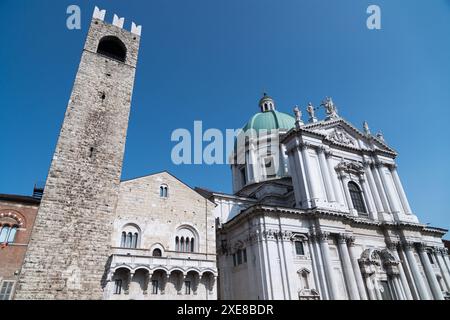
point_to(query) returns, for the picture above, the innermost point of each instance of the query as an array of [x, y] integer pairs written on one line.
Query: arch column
[[429, 272], [412, 262], [347, 267]]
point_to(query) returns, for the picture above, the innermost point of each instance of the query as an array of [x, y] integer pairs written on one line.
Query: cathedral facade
[[322, 214], [318, 210]]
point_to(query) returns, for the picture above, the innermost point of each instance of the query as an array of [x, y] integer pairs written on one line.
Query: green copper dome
[[270, 120]]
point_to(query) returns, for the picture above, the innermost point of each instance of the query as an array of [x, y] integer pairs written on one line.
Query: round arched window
[[157, 252], [112, 47]]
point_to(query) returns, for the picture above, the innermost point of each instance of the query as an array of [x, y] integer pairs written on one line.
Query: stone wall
[[70, 243]]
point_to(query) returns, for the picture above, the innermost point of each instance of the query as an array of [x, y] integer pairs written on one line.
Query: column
[[380, 189], [148, 276], [370, 287], [334, 179], [345, 180], [408, 247], [130, 277], [326, 175], [446, 259], [320, 267], [392, 202], [400, 190], [398, 289], [356, 269], [442, 266], [408, 274], [347, 267], [307, 165], [367, 197], [404, 282], [429, 272], [317, 274], [373, 188], [327, 265]]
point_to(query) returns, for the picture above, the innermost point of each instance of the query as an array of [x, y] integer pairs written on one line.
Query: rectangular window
[[234, 259], [154, 286], [118, 286], [187, 287], [270, 167], [299, 248], [245, 255], [243, 176], [239, 256], [6, 290], [430, 257]]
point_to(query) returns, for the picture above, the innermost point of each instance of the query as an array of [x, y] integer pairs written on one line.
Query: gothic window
[[117, 286], [192, 245], [234, 260], [164, 191], [244, 254], [357, 197], [6, 290], [112, 47], [157, 253], [187, 287], [299, 250], [154, 286]]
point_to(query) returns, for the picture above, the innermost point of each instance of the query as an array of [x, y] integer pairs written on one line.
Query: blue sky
[[211, 60]]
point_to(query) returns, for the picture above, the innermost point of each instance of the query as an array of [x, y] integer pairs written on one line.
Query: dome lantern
[[266, 103]]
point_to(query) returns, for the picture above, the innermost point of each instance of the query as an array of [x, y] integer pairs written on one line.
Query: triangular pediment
[[341, 132]]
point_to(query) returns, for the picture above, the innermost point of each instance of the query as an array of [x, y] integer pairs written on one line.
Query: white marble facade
[[333, 223]]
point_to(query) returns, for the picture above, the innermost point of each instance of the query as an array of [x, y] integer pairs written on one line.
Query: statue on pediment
[[330, 108]]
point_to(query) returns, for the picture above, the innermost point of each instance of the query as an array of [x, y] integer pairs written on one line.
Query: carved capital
[[351, 240], [393, 245], [341, 238], [420, 246], [407, 245], [323, 236]]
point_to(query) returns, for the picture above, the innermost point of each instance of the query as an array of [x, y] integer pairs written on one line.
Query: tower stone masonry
[[70, 242]]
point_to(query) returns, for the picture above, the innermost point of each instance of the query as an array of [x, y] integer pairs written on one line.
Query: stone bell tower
[[70, 242]]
